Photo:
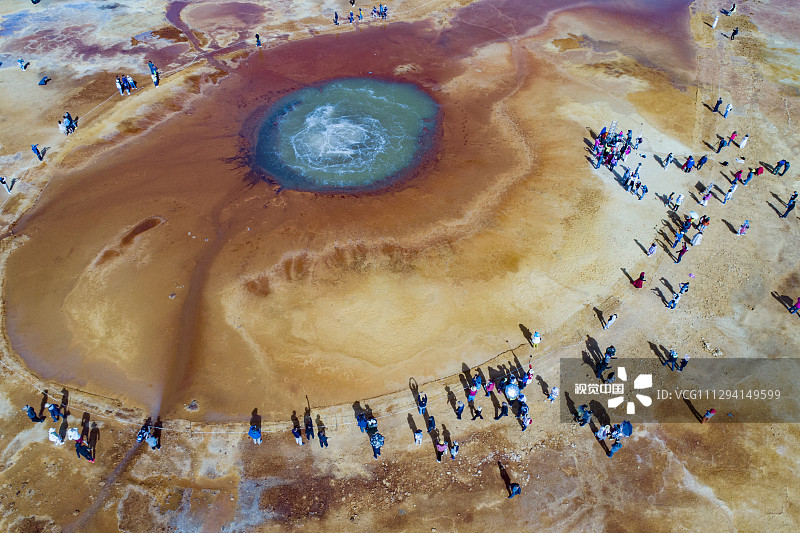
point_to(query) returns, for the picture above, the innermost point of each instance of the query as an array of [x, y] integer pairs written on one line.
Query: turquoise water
[[349, 134]]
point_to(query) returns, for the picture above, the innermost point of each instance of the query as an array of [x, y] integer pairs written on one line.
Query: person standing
[[778, 166], [459, 409], [749, 176], [54, 412], [678, 202], [735, 32], [513, 490], [730, 192], [454, 450], [687, 166], [422, 402], [722, 144], [536, 339], [785, 167], [702, 161], [697, 238], [683, 363], [714, 25], [258, 40], [478, 413], [297, 437], [554, 391], [490, 386], [255, 434], [638, 282], [681, 252], [614, 448], [473, 391], [651, 250], [708, 415], [441, 448], [323, 438], [362, 422], [119, 85], [611, 320], [418, 437], [35, 150], [431, 423], [792, 310], [728, 109], [716, 106], [377, 441], [584, 415]]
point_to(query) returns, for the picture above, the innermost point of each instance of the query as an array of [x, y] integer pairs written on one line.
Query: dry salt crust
[[532, 235]]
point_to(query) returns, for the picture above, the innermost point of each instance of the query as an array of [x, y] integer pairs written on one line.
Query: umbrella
[[512, 392]]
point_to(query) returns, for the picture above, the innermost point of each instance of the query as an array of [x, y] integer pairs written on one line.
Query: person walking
[[473, 391], [459, 409], [418, 437], [651, 250], [513, 490], [309, 428], [749, 176], [672, 359], [478, 413], [744, 141], [785, 167], [490, 386], [54, 411], [743, 228], [722, 144], [778, 166], [35, 150], [362, 422], [611, 320], [668, 160], [708, 415], [728, 109], [790, 204], [431, 423], [258, 40], [735, 32], [34, 418], [681, 252], [678, 202], [297, 437], [554, 391], [683, 363], [684, 287], [504, 408], [422, 402], [675, 298], [702, 161], [730, 192], [678, 237], [119, 85], [454, 450], [716, 106], [614, 448], [584, 415], [792, 310], [687, 166], [638, 282], [255, 434], [441, 448]]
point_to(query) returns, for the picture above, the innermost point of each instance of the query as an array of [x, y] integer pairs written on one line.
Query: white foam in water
[[348, 133]]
